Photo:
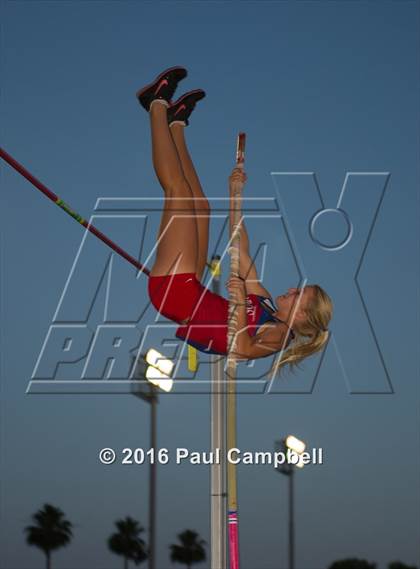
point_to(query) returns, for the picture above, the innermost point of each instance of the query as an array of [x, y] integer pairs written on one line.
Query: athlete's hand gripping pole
[[236, 198]]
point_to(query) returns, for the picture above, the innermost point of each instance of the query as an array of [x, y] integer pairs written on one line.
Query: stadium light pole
[[157, 370], [287, 445]]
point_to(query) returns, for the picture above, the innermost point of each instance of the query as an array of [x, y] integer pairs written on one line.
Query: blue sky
[[321, 87]]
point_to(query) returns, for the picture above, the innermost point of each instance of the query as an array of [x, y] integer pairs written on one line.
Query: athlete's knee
[[178, 187], [180, 197]]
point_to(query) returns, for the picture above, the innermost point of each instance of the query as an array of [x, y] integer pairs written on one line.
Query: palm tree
[[127, 541], [51, 531], [191, 549]]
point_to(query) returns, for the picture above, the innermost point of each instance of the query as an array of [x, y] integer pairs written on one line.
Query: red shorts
[[179, 297], [175, 296], [182, 298]]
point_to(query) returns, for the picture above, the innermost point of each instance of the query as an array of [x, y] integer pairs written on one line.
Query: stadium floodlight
[[159, 379], [295, 444], [159, 362]]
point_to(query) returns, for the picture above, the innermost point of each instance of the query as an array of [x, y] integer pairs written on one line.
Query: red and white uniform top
[[207, 329]]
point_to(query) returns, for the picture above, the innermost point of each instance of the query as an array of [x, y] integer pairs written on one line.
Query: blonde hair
[[318, 314]]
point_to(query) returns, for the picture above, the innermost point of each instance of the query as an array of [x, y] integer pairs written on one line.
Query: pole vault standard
[[54, 198], [231, 361], [218, 501]]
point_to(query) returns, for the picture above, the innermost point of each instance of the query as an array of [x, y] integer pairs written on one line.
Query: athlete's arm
[[270, 337], [249, 273], [236, 287], [269, 340], [247, 270]]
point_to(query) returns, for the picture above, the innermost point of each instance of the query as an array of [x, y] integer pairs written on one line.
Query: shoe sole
[[158, 79], [186, 95], [180, 102]]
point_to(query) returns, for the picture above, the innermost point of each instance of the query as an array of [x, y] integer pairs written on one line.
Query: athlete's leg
[[178, 240], [201, 204]]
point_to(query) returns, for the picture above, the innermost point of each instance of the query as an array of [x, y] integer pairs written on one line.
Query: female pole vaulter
[[296, 322]]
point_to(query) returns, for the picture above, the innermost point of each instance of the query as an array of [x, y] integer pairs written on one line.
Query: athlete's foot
[[162, 88], [180, 110]]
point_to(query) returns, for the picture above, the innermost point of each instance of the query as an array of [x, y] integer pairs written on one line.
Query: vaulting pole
[[231, 363], [232, 325], [54, 198]]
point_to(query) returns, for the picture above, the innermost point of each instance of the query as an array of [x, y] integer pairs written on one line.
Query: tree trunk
[[48, 555]]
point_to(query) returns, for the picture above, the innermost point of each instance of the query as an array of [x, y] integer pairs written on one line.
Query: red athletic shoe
[[163, 87], [181, 109]]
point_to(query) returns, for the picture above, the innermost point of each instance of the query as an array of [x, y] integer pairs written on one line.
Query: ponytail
[[300, 349]]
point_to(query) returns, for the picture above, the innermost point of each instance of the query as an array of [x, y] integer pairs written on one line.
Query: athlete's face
[[286, 302]]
